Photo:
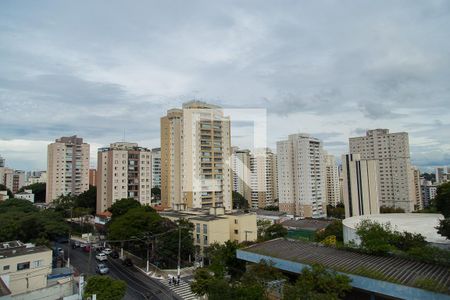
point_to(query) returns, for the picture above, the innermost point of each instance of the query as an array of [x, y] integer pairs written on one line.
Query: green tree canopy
[[87, 199], [335, 228], [105, 288], [275, 231], [272, 208], [223, 259], [38, 191], [391, 210], [442, 199], [20, 220], [337, 211], [239, 201], [122, 206], [318, 283], [444, 228]]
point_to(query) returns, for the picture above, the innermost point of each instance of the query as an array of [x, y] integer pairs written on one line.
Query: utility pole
[[148, 253], [179, 250], [70, 234]]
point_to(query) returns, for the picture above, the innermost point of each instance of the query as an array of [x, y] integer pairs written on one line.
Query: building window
[[38, 263], [236, 231], [205, 228], [5, 268], [198, 228], [198, 238], [205, 240], [235, 221], [23, 266]]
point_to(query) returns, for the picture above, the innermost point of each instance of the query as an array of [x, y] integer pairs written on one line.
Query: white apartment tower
[[156, 167], [67, 167], [124, 170], [195, 157], [263, 173], [360, 186], [332, 180], [240, 165], [301, 176], [391, 151], [442, 175]]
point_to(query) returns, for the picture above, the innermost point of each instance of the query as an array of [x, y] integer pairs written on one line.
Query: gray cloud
[[97, 68]]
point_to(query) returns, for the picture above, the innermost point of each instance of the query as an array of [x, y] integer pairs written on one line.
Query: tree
[[64, 203], [262, 226], [239, 201], [337, 211], [442, 199], [318, 283], [391, 210], [223, 260], [105, 288], [262, 272], [156, 192], [38, 190], [375, 237], [444, 228], [202, 281], [136, 221], [275, 231], [335, 228], [87, 199], [8, 191], [122, 206], [272, 208], [21, 205]]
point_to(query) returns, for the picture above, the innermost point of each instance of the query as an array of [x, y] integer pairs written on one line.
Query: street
[[139, 286]]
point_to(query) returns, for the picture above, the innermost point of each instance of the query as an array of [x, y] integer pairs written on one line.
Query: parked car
[[87, 248], [127, 262], [102, 269], [114, 254], [75, 244], [101, 257], [107, 251]]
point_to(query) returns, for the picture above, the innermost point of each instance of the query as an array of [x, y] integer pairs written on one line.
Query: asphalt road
[[139, 286]]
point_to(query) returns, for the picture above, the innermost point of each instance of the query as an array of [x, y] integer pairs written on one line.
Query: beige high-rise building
[[12, 179], [442, 175], [301, 176], [156, 167], [360, 186], [391, 151], [196, 157], [240, 162], [263, 173], [124, 170], [332, 180], [415, 185], [93, 177], [67, 167]]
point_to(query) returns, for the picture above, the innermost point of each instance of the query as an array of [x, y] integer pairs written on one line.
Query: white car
[[107, 251], [101, 257]]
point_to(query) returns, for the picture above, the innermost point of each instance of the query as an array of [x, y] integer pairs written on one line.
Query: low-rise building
[[25, 195], [275, 217], [23, 267], [217, 226], [4, 195]]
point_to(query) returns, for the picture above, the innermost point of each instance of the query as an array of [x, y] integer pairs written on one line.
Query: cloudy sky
[[329, 68]]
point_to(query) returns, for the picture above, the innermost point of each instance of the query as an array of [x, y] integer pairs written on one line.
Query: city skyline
[[65, 73]]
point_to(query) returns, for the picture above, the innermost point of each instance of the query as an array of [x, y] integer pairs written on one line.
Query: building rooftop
[[425, 224], [307, 224], [393, 269], [20, 249], [263, 212]]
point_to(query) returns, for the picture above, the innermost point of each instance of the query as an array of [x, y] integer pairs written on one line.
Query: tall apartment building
[[195, 157], [12, 179], [442, 175], [332, 187], [416, 190], [123, 171], [391, 151], [263, 174], [156, 167], [240, 165], [67, 167], [428, 191], [93, 177], [301, 176], [360, 186]]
